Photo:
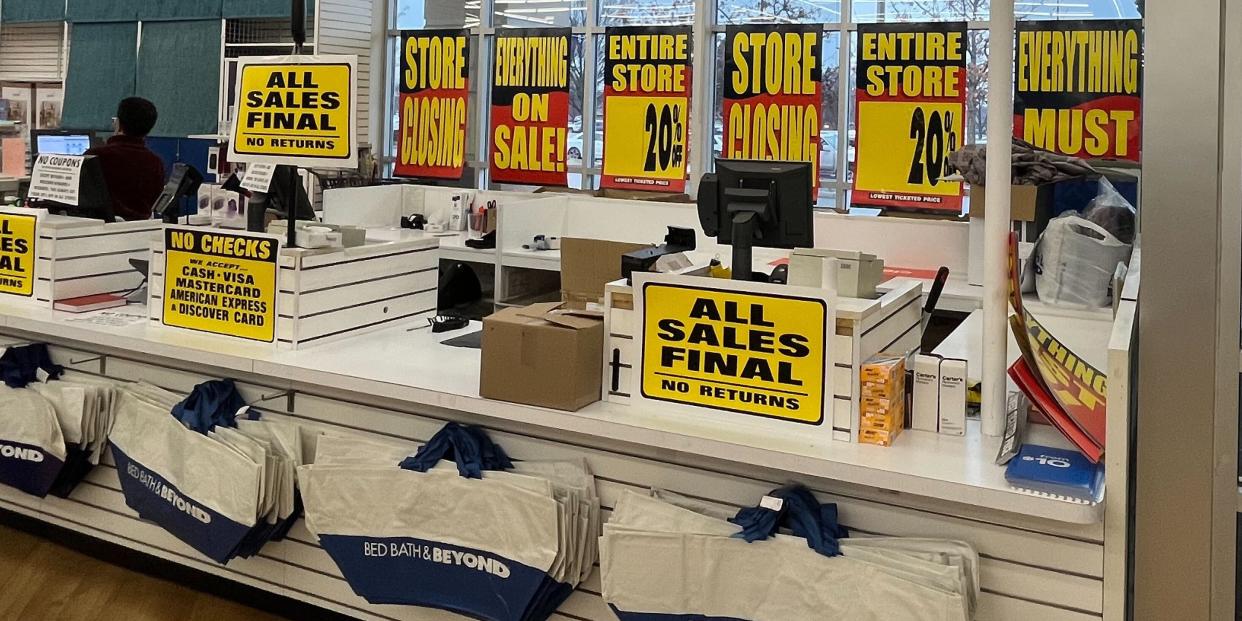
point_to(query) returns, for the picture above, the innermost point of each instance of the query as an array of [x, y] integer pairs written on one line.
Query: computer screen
[[68, 144]]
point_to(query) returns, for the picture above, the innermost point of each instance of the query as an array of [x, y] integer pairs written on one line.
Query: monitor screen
[[63, 144]]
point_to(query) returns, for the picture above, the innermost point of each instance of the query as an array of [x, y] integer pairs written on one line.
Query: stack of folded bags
[[222, 483], [458, 526], [668, 557]]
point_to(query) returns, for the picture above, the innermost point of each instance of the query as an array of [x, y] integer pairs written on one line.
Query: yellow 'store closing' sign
[[223, 283], [17, 254], [297, 110], [747, 348]]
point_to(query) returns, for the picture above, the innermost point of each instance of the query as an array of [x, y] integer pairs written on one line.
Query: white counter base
[[1038, 562]]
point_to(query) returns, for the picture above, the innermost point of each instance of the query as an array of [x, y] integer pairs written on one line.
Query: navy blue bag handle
[[466, 445], [798, 511]]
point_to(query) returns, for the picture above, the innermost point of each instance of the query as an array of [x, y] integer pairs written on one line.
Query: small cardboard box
[[544, 355], [1027, 203], [589, 264]]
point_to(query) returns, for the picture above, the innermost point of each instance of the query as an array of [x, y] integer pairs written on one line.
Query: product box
[[589, 264], [544, 355], [925, 405], [857, 273], [1027, 203], [953, 397], [883, 376], [877, 437]]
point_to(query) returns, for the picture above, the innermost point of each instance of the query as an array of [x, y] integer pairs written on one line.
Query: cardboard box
[[925, 407], [544, 355], [878, 437], [953, 397], [589, 264], [1027, 203]]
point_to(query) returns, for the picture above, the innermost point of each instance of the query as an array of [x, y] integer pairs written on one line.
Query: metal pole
[[297, 22], [996, 226]]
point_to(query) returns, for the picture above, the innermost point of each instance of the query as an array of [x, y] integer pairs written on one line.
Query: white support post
[[702, 100], [996, 226]]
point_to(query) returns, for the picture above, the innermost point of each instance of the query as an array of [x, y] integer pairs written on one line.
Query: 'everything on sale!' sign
[[646, 107], [222, 283], [530, 107], [1078, 87], [296, 110], [759, 350], [772, 85], [431, 139], [911, 114]]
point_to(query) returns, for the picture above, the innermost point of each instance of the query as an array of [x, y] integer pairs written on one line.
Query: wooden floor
[[42, 581]]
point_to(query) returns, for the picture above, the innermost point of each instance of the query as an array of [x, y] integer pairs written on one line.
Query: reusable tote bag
[[201, 491], [659, 561], [32, 446], [503, 547]]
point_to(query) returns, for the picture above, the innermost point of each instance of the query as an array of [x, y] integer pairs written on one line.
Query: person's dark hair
[[136, 116]]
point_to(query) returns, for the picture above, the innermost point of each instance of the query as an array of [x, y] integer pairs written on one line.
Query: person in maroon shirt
[[134, 173]]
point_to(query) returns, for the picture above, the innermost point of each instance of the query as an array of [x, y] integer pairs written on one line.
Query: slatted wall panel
[[1025, 574], [345, 28], [32, 52]]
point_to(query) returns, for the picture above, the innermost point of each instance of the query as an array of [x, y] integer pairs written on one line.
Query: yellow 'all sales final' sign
[[17, 254], [742, 350], [297, 110], [222, 283]]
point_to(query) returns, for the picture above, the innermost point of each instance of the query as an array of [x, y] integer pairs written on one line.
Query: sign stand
[[297, 22]]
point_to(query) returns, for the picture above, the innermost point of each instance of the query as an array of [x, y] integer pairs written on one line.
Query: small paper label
[[41, 375], [55, 178], [258, 177], [772, 504]]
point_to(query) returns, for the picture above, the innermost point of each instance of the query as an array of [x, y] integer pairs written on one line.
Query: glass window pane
[[539, 13], [574, 145], [437, 13], [779, 11], [977, 87], [646, 12], [1075, 9], [919, 10], [829, 98]]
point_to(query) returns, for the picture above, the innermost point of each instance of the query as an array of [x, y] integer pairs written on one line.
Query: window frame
[[705, 27]]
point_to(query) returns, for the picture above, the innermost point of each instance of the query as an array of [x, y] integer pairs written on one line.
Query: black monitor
[[94, 200], [285, 190], [750, 203], [182, 183], [60, 141]]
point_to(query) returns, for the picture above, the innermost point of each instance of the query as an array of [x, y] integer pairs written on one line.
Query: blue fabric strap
[[801, 513]]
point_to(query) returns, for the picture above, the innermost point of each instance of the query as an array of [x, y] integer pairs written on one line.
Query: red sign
[[530, 107], [1078, 87], [772, 85], [431, 138]]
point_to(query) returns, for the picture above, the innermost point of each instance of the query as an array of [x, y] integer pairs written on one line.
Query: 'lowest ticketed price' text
[[223, 283]]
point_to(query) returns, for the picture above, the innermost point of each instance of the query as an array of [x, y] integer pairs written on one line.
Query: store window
[[839, 17], [411, 14]]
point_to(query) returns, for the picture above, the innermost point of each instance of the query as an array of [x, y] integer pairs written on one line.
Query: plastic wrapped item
[[1112, 212], [1074, 262]]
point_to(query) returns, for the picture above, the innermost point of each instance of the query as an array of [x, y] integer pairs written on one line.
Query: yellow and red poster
[[530, 107], [431, 138], [1078, 87], [646, 108], [910, 115], [772, 85]]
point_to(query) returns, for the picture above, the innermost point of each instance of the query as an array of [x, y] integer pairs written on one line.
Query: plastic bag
[[1112, 212], [1074, 262]]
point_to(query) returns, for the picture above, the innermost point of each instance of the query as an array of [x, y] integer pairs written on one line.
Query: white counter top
[[412, 366]]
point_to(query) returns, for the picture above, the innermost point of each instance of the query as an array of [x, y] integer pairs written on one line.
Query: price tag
[[772, 504]]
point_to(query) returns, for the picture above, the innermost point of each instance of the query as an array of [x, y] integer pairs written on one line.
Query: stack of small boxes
[[883, 402]]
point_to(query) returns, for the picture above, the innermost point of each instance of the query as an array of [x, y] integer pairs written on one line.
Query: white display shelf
[[409, 366]]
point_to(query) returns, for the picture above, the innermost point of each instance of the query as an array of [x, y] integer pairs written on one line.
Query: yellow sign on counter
[[17, 254], [222, 283], [743, 350], [296, 110]]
